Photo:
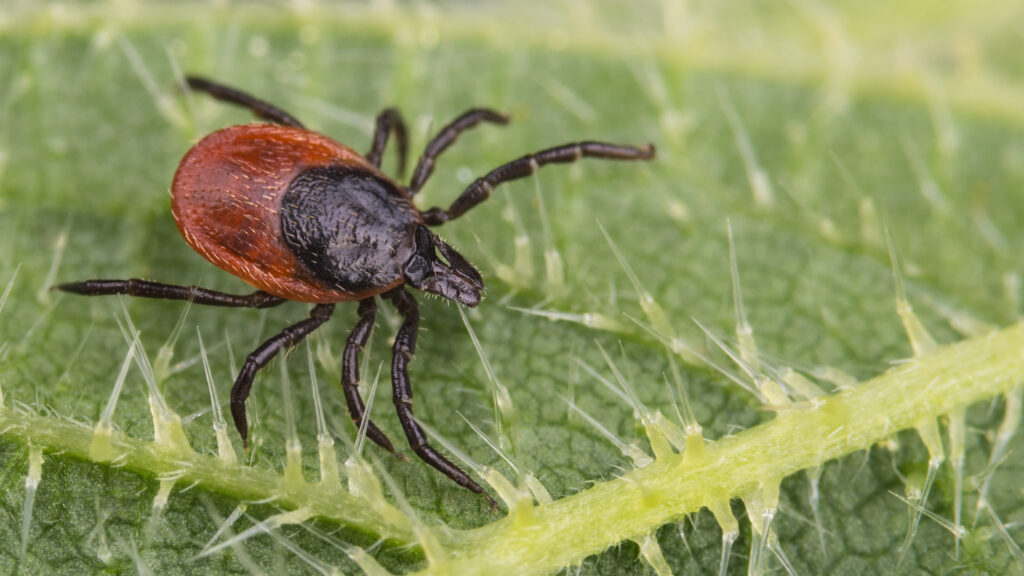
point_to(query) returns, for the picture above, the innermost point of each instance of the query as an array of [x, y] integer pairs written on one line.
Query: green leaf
[[855, 169]]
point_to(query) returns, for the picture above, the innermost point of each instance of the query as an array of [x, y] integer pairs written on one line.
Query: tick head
[[438, 268]]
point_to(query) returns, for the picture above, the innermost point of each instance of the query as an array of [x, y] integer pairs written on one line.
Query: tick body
[[301, 217], [294, 213]]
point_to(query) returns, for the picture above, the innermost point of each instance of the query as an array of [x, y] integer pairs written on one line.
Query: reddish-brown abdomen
[[226, 199]]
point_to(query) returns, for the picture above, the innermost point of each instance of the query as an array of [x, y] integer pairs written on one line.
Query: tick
[[301, 217]]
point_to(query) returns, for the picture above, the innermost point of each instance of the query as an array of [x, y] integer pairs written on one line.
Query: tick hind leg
[[259, 358], [481, 188], [388, 121], [404, 348], [350, 374], [445, 138], [194, 294], [261, 109]]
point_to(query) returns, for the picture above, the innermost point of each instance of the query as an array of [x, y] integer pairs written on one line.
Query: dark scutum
[[350, 227]]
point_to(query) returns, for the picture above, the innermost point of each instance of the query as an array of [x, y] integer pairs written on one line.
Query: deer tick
[[301, 217]]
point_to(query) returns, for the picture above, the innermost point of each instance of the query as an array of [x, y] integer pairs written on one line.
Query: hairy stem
[[565, 532]]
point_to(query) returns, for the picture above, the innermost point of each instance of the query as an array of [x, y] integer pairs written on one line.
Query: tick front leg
[[350, 374], [404, 348], [388, 121], [481, 188], [194, 294], [259, 358]]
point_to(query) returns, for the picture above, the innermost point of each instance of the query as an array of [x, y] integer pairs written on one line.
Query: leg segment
[[405, 346], [480, 189], [261, 109], [388, 121], [259, 358], [350, 373], [194, 294], [445, 138]]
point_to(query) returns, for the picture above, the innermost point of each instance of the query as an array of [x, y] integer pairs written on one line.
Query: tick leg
[[350, 374], [194, 294], [481, 188], [445, 138], [261, 109], [259, 358], [404, 348], [388, 121]]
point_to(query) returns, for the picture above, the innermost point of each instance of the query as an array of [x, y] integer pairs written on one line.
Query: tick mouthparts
[[459, 264], [452, 284]]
